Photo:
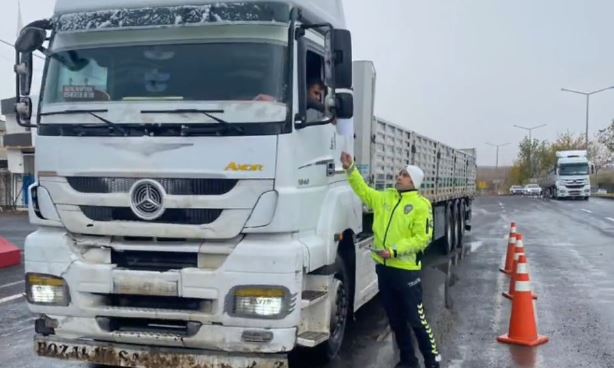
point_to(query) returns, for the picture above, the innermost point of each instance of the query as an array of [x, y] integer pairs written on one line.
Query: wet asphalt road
[[570, 248]]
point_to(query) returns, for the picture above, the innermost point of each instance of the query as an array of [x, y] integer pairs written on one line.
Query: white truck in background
[[570, 177], [189, 214]]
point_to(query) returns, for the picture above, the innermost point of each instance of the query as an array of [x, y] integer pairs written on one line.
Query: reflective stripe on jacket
[[402, 223]]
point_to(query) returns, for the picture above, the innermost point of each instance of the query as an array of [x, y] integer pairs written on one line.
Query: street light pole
[[497, 162], [531, 129], [497, 146], [588, 96]]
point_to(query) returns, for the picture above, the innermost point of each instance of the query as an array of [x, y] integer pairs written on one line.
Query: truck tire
[[448, 239], [463, 216], [460, 224], [340, 311]]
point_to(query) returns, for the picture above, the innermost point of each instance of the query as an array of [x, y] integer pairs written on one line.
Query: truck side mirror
[[338, 63], [30, 39], [23, 69], [344, 105]]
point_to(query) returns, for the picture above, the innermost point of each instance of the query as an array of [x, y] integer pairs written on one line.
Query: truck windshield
[[231, 71], [573, 169]]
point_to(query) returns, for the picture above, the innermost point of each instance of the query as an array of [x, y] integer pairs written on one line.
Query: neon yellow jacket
[[403, 222]]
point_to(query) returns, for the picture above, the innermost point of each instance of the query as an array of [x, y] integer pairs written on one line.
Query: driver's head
[[316, 90]]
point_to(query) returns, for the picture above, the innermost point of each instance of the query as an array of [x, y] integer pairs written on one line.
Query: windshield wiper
[[90, 112], [208, 113]]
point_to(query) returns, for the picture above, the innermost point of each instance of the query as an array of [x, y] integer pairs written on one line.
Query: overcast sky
[[463, 71]]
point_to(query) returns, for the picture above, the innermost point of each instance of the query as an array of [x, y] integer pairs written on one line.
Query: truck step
[[311, 339], [311, 297]]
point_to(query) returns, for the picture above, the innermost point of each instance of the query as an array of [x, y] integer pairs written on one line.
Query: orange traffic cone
[[518, 249], [523, 321], [513, 228], [520, 274], [511, 245]]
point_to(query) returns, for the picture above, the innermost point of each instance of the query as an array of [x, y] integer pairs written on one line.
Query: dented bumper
[[139, 356]]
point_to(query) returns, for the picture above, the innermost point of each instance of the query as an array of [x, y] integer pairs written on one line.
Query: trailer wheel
[[463, 219], [460, 224], [340, 307], [448, 239]]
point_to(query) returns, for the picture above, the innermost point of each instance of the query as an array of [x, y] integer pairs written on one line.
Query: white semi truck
[[189, 213], [570, 178]]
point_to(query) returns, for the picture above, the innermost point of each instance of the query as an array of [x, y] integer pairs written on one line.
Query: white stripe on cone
[[522, 269], [523, 286]]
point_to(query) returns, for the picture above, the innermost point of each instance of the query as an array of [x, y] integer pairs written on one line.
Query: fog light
[[46, 289], [260, 302]]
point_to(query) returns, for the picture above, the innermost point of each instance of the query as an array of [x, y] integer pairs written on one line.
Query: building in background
[[17, 146]]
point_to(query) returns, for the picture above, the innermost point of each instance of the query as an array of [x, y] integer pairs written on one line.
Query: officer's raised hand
[[346, 160]]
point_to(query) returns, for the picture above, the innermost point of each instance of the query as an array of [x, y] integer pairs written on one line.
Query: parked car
[[532, 190], [516, 190]]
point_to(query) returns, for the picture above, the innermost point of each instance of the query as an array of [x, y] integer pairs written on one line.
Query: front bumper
[[93, 281], [565, 192], [140, 356]]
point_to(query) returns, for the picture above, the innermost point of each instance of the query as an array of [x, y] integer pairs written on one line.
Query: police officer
[[403, 228]]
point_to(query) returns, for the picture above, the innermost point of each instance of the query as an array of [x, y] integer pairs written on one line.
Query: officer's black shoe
[[431, 365]]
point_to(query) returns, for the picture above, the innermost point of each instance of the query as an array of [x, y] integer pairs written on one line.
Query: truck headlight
[[46, 289], [260, 302]]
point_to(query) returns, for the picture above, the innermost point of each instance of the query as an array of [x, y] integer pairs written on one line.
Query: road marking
[[11, 284], [11, 298], [475, 245], [609, 218], [587, 211]]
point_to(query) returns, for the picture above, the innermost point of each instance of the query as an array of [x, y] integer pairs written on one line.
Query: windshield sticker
[[83, 93]]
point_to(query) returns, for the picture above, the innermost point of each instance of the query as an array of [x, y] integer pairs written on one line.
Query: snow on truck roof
[[324, 11]]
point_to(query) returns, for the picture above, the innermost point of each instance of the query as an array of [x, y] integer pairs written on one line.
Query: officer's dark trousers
[[401, 294]]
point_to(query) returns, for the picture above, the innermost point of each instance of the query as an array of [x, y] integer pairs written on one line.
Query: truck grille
[[576, 186], [154, 261], [151, 326], [171, 303], [170, 216], [172, 186]]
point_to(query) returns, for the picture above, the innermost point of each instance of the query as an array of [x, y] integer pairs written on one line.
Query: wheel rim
[[338, 310]]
